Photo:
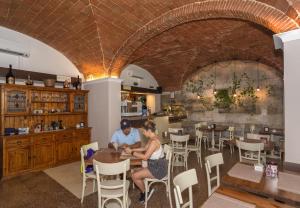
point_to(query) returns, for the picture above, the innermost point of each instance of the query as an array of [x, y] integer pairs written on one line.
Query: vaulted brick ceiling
[[100, 36]]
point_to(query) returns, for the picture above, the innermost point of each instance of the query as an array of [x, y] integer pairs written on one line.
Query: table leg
[[213, 142]]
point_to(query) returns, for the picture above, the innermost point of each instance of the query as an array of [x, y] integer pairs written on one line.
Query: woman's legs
[[139, 176]]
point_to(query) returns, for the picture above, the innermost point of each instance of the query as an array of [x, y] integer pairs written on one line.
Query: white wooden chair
[[179, 149], [91, 175], [175, 130], [212, 161], [115, 189], [183, 181], [166, 180], [196, 147], [229, 138], [251, 151], [200, 134]]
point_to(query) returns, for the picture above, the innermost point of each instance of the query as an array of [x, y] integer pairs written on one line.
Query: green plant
[[223, 99]]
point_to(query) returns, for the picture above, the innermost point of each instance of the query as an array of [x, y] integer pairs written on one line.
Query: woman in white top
[[154, 154]]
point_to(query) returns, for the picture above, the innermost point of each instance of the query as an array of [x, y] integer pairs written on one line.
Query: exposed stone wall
[[268, 106]]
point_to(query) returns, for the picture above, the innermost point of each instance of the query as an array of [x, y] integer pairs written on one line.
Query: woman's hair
[[149, 125]]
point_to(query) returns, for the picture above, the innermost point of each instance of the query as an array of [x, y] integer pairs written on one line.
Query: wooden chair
[[112, 189], [196, 147], [86, 176], [182, 182], [212, 161], [251, 151], [180, 149], [229, 138], [166, 180]]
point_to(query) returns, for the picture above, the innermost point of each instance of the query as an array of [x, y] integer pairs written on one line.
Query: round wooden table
[[110, 155]]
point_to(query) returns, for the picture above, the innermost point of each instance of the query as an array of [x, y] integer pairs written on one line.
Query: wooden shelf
[[46, 114], [66, 102]]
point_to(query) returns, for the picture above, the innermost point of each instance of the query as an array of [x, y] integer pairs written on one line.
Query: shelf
[[46, 114], [66, 102]]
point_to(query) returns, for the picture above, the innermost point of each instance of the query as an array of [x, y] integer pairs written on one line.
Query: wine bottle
[[10, 78]]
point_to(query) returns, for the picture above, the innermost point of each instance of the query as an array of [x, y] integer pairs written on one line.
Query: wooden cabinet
[[40, 151], [17, 156], [51, 115], [43, 151]]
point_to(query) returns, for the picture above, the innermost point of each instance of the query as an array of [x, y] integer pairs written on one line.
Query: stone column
[[104, 105], [289, 42]]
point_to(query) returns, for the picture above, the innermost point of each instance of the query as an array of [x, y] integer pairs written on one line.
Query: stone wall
[[199, 100]]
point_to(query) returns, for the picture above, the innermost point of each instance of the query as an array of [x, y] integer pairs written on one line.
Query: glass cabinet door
[[16, 101], [79, 103]]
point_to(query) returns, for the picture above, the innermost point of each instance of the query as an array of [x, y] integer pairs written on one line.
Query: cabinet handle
[[19, 142]]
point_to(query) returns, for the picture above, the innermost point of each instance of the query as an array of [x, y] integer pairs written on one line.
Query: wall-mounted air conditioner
[[13, 48]]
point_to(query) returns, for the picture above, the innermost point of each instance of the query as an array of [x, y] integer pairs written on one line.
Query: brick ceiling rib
[[101, 36]]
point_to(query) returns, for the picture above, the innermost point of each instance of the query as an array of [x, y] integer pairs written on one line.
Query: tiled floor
[[37, 190]]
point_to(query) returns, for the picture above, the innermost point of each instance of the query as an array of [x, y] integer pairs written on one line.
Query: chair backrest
[[249, 147], [212, 161], [175, 130], [83, 152], [258, 136], [179, 141], [231, 132], [168, 154], [183, 181], [110, 169]]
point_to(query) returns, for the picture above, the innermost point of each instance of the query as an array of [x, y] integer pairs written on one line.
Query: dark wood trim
[[37, 76], [291, 166], [158, 90]]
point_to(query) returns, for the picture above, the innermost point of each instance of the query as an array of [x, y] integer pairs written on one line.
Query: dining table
[[267, 187], [217, 128], [110, 155], [245, 197]]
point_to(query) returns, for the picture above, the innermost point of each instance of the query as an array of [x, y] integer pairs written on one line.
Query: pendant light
[[257, 74]]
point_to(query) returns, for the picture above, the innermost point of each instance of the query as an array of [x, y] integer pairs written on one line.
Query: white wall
[[43, 58], [292, 100], [290, 43], [154, 102], [104, 105], [134, 70]]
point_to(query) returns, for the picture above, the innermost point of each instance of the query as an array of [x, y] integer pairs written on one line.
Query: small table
[[267, 188], [260, 202], [110, 155], [213, 130]]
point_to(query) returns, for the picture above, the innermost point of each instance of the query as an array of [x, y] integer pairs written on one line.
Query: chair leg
[[169, 194], [146, 193], [94, 185], [83, 189]]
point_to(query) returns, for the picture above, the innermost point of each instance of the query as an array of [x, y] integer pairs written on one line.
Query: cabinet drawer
[[17, 143], [46, 139], [82, 133], [64, 135]]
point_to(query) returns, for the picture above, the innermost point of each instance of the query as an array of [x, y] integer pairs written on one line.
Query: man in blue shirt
[[126, 136]]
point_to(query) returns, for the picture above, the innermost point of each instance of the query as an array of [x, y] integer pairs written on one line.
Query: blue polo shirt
[[120, 138]]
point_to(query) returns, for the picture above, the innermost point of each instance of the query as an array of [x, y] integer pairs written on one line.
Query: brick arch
[[249, 10]]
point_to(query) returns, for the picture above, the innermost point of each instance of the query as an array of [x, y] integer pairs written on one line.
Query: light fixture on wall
[[257, 74]]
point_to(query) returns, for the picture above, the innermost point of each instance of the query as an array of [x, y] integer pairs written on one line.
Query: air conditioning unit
[[13, 48]]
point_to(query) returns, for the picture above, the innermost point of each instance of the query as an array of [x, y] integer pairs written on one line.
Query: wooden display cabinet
[[28, 106]]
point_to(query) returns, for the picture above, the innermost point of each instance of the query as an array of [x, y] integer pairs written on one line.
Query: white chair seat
[[91, 175], [113, 192], [192, 148]]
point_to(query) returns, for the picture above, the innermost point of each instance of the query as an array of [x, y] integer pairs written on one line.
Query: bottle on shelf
[[10, 78]]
